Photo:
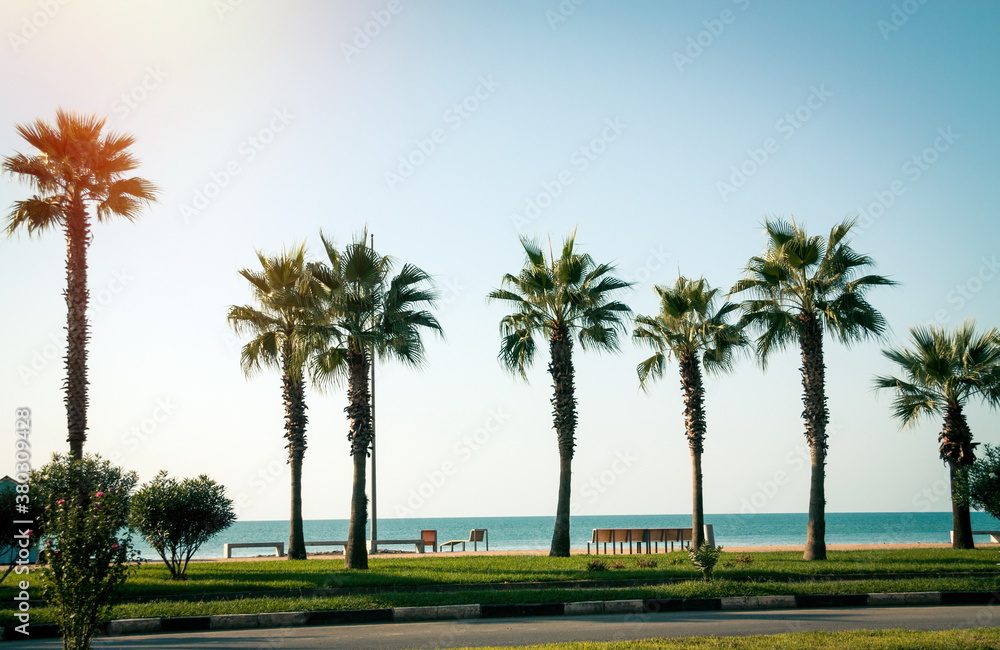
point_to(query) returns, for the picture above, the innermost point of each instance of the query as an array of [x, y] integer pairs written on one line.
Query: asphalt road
[[523, 631]]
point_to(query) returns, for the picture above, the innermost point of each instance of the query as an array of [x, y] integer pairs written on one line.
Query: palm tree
[[695, 329], [285, 295], [800, 287], [75, 165], [942, 371], [554, 299], [366, 312]]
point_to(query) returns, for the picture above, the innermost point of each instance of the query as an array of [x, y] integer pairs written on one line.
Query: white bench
[[279, 547], [994, 535], [418, 543]]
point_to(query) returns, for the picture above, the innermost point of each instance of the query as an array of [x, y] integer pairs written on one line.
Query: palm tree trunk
[[564, 422], [694, 423], [77, 334], [816, 418], [296, 535], [360, 435], [957, 450], [961, 519], [293, 391]]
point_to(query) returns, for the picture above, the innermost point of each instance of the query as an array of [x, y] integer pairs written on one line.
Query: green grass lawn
[[738, 575], [207, 577], [879, 640]]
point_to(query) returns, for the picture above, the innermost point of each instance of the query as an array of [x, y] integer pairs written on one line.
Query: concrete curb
[[461, 612]]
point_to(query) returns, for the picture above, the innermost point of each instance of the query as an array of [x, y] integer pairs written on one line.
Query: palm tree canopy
[[365, 307], [558, 297], [943, 369], [813, 277], [285, 294], [75, 164], [690, 322]]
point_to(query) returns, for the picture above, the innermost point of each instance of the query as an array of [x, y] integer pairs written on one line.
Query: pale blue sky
[[266, 122]]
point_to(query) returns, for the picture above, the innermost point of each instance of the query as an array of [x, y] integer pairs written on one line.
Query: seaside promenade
[[583, 551]]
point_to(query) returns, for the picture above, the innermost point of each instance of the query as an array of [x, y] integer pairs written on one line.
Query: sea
[[535, 533]]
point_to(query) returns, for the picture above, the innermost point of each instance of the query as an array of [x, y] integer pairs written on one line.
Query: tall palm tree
[[555, 299], [801, 287], [942, 371], [76, 167], [694, 328], [286, 299], [367, 311]]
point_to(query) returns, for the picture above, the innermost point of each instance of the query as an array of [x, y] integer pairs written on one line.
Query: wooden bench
[[994, 535], [647, 536], [279, 547], [476, 535]]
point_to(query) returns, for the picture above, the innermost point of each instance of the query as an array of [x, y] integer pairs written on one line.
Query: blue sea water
[[527, 533]]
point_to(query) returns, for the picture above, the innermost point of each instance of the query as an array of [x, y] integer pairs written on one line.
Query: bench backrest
[[477, 534], [429, 536]]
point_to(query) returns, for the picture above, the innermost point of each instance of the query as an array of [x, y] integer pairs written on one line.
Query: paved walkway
[[519, 631]]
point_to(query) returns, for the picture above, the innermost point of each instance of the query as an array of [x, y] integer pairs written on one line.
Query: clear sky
[[665, 131]]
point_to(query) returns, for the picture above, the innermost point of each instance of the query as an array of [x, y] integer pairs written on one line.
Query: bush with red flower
[[87, 551]]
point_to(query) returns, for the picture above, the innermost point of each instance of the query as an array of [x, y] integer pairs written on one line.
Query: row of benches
[[279, 547], [427, 538], [651, 537]]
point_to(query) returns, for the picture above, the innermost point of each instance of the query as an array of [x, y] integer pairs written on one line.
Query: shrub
[[87, 552], [645, 563], [597, 565], [617, 564], [705, 557], [177, 517], [984, 481]]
